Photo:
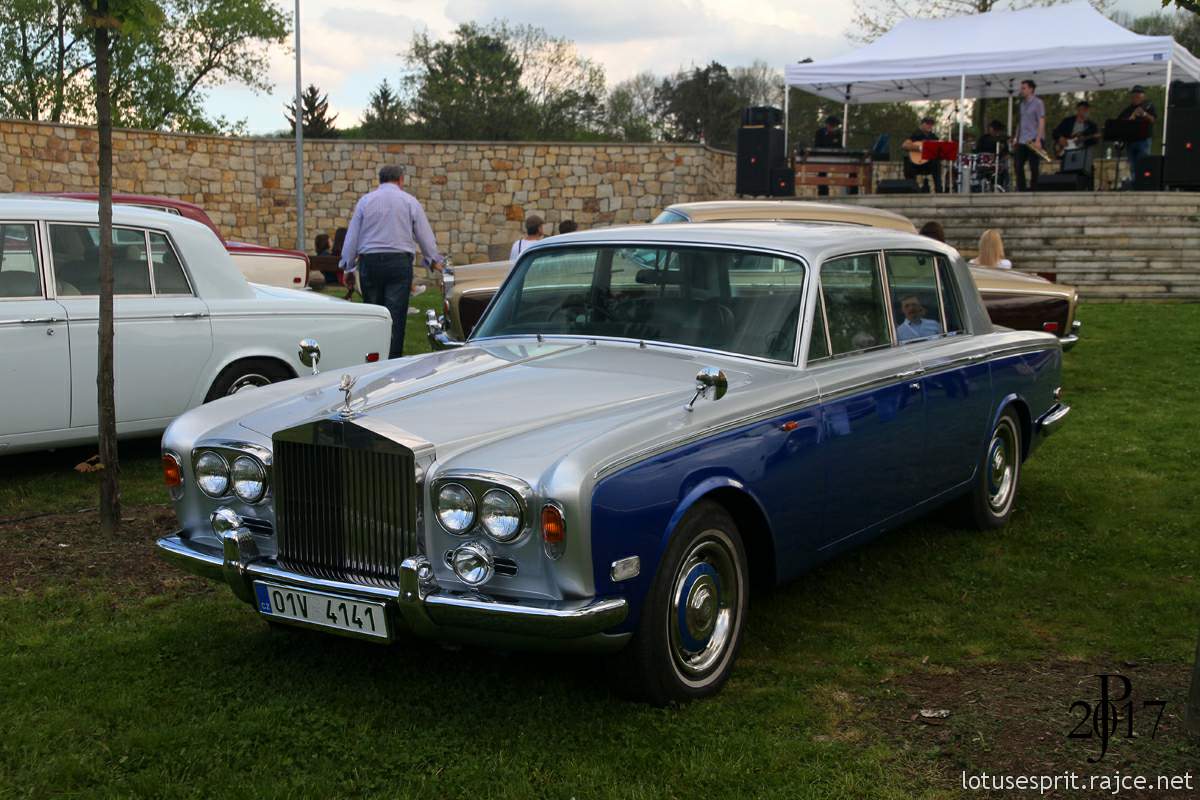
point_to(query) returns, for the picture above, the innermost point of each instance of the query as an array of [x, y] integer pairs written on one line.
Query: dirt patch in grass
[[1015, 719], [60, 550]]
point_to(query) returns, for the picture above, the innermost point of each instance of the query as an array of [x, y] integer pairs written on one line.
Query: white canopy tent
[[1064, 48]]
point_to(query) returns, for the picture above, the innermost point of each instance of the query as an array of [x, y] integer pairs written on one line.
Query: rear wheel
[[250, 373], [692, 621], [991, 500]]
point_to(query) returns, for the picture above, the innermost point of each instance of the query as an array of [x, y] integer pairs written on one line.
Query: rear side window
[[854, 303], [168, 272], [75, 250], [19, 273], [916, 305]]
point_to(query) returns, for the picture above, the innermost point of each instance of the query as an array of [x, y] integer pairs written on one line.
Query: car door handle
[[191, 315], [912, 373], [41, 321]]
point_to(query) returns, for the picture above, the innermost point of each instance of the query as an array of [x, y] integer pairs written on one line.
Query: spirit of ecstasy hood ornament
[[345, 386]]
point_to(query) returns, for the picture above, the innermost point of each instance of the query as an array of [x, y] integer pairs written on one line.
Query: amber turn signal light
[[554, 529], [172, 470]]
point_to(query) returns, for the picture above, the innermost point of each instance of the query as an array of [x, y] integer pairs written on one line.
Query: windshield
[[729, 300]]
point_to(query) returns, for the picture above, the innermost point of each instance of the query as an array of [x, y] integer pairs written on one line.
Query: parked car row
[[189, 328], [1013, 299]]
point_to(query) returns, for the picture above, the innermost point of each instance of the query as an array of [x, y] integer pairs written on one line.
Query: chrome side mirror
[[310, 354], [711, 383]]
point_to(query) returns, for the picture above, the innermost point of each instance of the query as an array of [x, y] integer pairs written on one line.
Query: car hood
[[478, 395]]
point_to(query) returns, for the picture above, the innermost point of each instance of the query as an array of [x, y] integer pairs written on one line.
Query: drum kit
[[986, 172]]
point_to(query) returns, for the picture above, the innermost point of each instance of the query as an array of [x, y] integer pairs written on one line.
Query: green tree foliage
[[314, 115], [385, 117], [159, 74], [504, 82], [468, 87], [701, 105], [873, 18]]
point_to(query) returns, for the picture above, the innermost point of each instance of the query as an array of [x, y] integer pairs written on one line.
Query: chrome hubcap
[[1002, 467], [705, 609], [251, 381]]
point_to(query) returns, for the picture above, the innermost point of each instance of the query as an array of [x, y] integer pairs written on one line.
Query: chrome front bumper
[[1053, 419], [435, 331], [426, 610], [1072, 338]]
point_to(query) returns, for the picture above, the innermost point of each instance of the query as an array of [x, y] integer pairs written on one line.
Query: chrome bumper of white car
[[424, 609]]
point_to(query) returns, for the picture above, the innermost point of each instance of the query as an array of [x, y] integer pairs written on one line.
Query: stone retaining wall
[[475, 193]]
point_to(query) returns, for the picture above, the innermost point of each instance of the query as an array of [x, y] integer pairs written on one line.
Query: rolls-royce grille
[[344, 505]]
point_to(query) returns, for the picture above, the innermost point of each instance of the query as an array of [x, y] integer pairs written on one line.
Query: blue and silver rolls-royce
[[645, 421]]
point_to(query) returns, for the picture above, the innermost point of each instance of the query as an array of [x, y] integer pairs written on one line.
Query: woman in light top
[[991, 251], [533, 233]]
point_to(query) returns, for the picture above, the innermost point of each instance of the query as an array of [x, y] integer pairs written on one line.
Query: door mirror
[[310, 354], [711, 383]]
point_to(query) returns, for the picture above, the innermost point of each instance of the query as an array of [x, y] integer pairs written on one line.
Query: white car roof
[[811, 241]]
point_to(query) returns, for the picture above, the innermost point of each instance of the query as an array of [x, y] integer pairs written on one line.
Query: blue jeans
[[1134, 152], [386, 280]]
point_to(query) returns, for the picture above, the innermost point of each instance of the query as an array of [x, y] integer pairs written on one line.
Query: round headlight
[[500, 514], [455, 508], [249, 479], [472, 563], [212, 474]]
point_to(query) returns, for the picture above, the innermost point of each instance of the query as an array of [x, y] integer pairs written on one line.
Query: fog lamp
[[472, 563], [224, 520]]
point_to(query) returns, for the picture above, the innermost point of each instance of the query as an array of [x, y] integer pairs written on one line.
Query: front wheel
[[692, 621], [990, 502]]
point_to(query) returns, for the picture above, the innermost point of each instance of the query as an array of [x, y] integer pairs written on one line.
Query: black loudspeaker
[[1184, 95], [762, 117], [1078, 161], [759, 150], [1063, 182], [896, 186], [1182, 169], [1149, 177], [783, 182]]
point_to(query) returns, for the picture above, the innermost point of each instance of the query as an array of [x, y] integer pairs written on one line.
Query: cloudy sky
[[350, 45]]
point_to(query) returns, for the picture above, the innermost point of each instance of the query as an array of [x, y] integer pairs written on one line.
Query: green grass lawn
[[107, 691]]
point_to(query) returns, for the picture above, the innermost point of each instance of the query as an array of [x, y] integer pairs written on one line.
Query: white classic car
[[189, 328]]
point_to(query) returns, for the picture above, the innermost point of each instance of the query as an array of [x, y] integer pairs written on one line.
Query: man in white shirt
[[915, 326], [387, 227], [533, 233]]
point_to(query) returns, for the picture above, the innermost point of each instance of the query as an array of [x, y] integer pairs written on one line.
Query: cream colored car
[[1017, 300]]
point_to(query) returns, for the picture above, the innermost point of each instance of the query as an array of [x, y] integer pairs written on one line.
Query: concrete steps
[[1112, 246]]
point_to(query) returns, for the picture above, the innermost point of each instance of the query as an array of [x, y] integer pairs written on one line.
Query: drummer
[[994, 142]]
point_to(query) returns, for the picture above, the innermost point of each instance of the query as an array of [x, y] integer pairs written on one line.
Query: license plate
[[325, 610]]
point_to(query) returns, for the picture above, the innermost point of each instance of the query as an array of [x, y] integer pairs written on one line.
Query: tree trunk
[[1193, 704], [110, 490]]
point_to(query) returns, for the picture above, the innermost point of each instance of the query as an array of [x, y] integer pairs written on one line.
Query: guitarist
[[1076, 131], [916, 165]]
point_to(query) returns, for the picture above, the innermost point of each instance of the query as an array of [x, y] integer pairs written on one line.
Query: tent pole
[[962, 102], [1166, 110], [846, 118], [1010, 133], [787, 93]]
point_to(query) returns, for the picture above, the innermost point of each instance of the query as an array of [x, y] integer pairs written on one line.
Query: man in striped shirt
[[387, 228]]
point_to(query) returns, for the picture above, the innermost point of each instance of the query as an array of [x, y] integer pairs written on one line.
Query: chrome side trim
[[609, 467]]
